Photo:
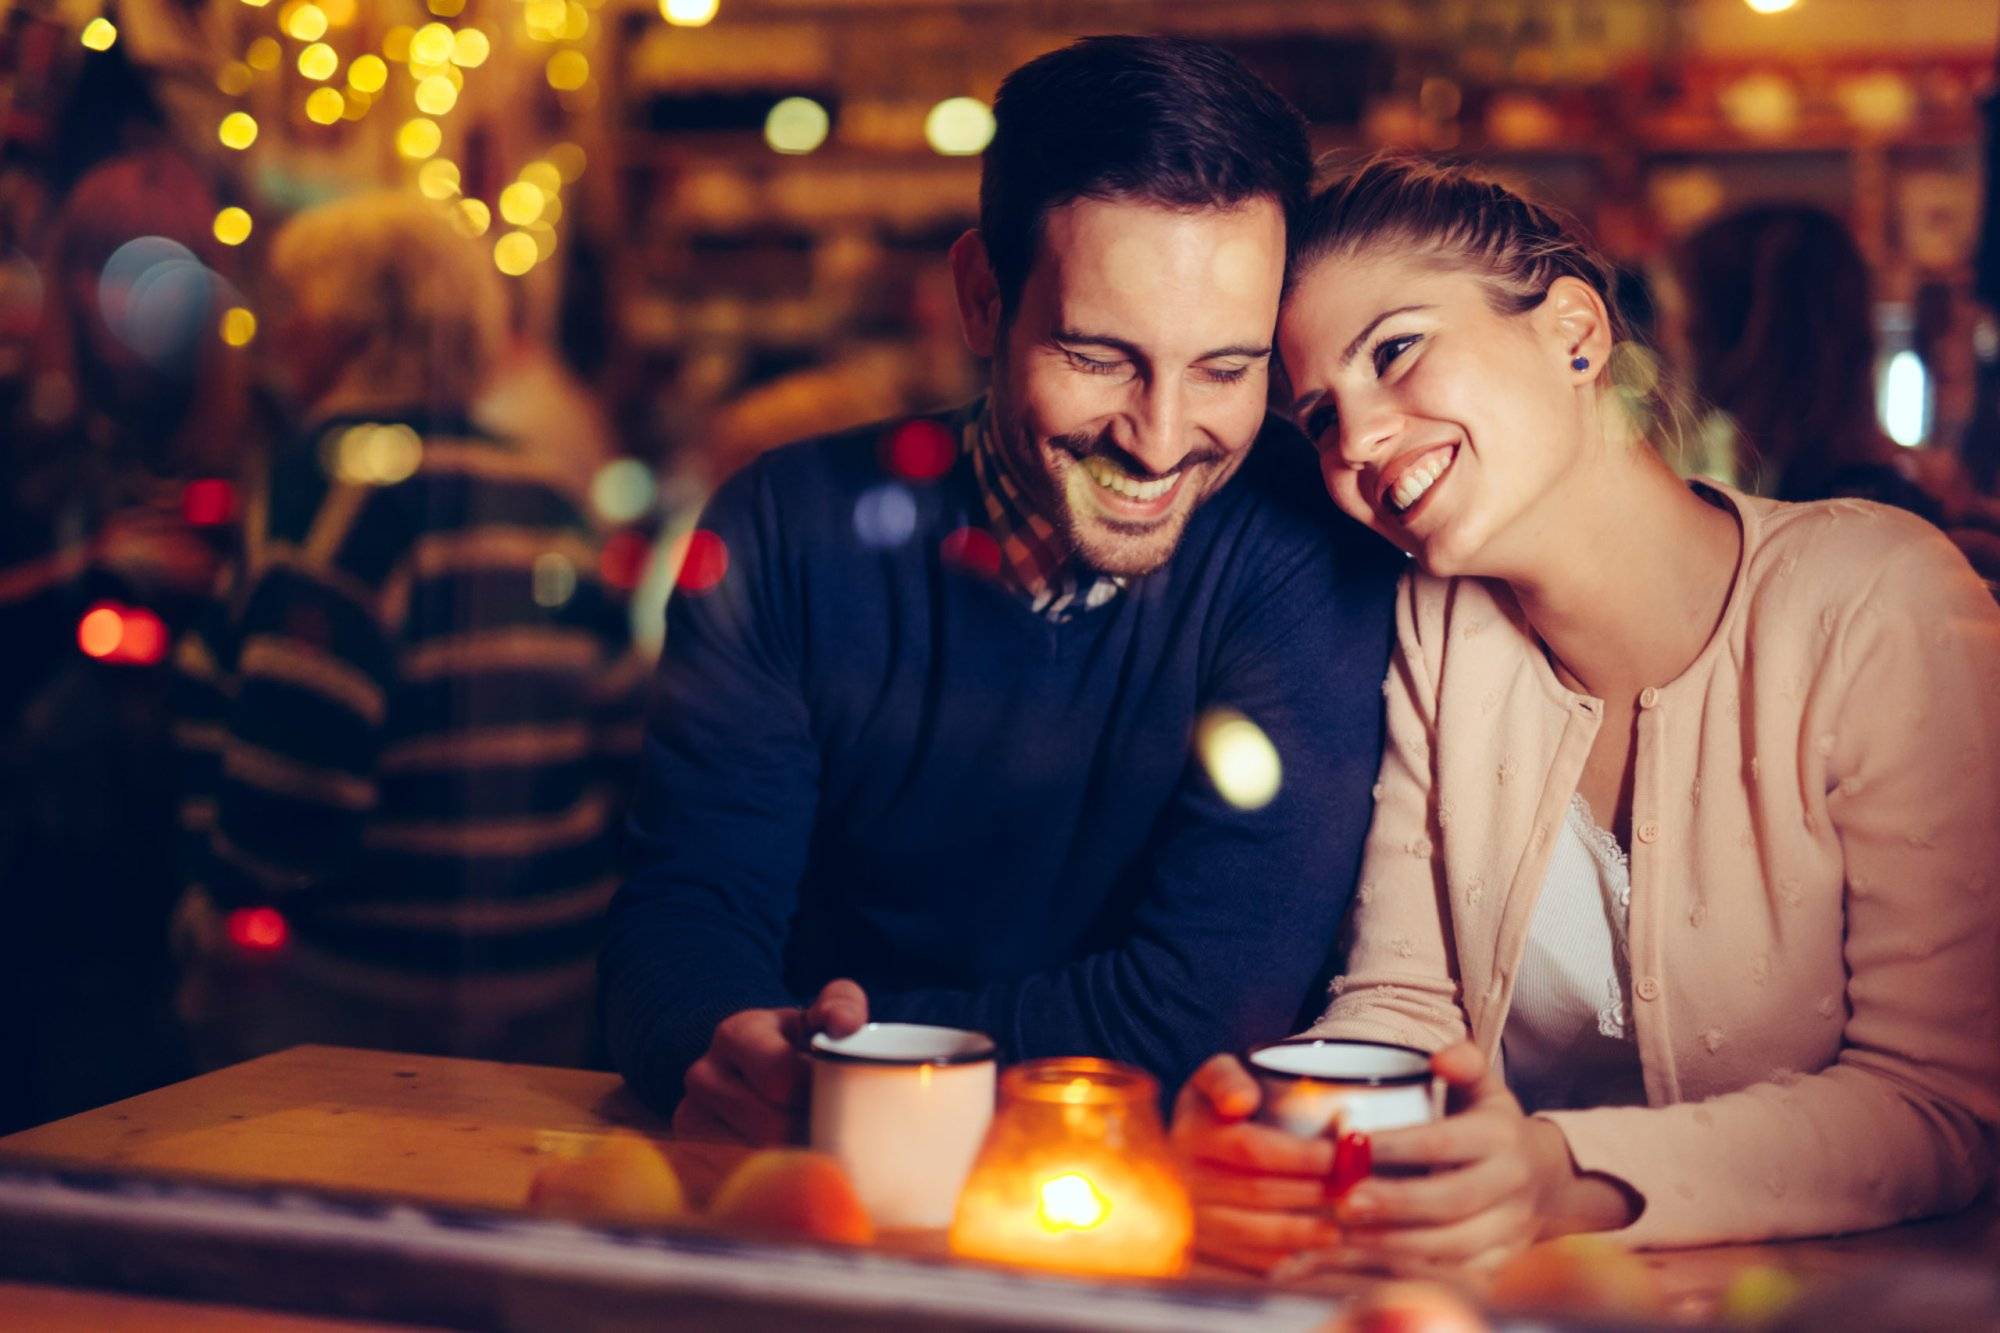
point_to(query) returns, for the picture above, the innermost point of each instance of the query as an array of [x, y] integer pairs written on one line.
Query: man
[[930, 728]]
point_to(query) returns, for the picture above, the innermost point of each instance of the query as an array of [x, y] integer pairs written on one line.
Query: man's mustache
[[1085, 444]]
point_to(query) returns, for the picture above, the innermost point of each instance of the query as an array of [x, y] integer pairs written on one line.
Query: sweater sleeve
[[722, 817], [1400, 985], [1902, 1123], [1240, 907]]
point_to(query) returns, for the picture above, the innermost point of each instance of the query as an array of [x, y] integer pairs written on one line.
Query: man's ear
[[978, 294], [1579, 325]]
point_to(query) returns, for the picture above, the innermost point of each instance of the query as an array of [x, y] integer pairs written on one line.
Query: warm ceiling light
[[1771, 6], [688, 13]]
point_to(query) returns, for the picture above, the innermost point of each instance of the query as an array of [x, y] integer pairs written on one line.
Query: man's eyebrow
[[1251, 351], [1362, 337]]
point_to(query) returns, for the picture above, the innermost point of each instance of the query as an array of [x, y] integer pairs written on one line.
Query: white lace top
[[1567, 1042]]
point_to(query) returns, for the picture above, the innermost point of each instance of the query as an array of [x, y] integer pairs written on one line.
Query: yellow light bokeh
[[544, 237], [368, 74], [1239, 758], [396, 43], [552, 210], [374, 455], [470, 47], [239, 326], [515, 253], [438, 179], [478, 217], [543, 175], [100, 34], [238, 130], [256, 4], [307, 23], [435, 96], [796, 125], [325, 105], [544, 19], [959, 127], [356, 104], [419, 138], [576, 22], [431, 45], [688, 13], [264, 54], [1770, 6], [446, 9], [567, 159], [339, 13], [234, 78], [568, 70], [521, 203], [318, 62], [232, 226]]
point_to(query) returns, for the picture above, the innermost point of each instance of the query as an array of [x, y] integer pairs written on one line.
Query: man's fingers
[[1227, 1087], [752, 1047], [1256, 1229], [841, 1009], [1251, 1189], [722, 1097]]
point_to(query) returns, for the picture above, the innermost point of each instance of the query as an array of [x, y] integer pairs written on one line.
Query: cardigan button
[[1648, 697], [1649, 832], [1647, 989]]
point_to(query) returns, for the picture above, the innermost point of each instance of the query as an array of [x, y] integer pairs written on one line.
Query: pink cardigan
[[1815, 850]]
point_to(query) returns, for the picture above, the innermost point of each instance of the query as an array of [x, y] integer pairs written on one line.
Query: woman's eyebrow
[[1362, 336]]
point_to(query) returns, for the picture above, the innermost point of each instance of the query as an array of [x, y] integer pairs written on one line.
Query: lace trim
[[1604, 848]]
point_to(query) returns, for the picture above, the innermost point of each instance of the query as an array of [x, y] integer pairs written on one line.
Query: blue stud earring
[[1579, 363]]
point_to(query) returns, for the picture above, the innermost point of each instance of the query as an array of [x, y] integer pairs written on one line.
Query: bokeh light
[[446, 9], [553, 579], [689, 13], [622, 490], [515, 253], [238, 130], [264, 54], [127, 635], [368, 74], [339, 13], [100, 631], [325, 105], [234, 78], [373, 454], [100, 34], [973, 550], [796, 125], [478, 217], [318, 62], [396, 42], [959, 127], [435, 95], [1238, 757], [568, 160], [470, 47], [431, 45], [418, 138], [568, 70], [307, 23], [239, 326], [207, 502], [155, 296], [544, 237], [704, 562], [232, 226], [623, 559], [920, 450], [1770, 6], [521, 203], [543, 175], [438, 179], [885, 516], [257, 929]]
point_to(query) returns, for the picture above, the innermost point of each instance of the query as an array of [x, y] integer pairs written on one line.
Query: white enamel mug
[[1317, 1086], [904, 1107]]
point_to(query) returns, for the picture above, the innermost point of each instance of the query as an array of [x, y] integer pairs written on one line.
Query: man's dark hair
[[1166, 120]]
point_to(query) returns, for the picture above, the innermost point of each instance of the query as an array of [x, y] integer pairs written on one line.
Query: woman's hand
[[1260, 1194]]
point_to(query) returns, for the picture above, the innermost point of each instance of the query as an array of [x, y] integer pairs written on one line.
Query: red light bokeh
[[704, 564], [920, 450], [208, 502], [261, 929]]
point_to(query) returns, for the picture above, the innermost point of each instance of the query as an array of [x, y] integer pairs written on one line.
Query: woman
[[1686, 823]]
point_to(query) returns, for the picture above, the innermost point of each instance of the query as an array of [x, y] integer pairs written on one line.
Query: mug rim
[[1422, 1075], [984, 1052]]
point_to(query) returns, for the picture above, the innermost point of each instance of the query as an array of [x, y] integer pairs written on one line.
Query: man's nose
[[1159, 433]]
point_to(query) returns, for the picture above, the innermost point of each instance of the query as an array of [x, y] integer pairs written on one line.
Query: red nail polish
[[1353, 1159]]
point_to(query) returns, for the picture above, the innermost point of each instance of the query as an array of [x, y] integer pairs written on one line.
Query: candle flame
[[1071, 1203]]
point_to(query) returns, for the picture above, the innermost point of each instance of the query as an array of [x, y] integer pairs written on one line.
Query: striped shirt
[[410, 728]]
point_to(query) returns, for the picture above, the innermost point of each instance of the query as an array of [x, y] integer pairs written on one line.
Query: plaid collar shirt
[[1033, 562]]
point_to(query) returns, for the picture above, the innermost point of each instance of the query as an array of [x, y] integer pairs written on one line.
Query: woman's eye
[[1389, 349]]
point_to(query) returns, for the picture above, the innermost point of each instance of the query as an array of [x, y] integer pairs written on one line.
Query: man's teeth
[[1108, 476], [1410, 487]]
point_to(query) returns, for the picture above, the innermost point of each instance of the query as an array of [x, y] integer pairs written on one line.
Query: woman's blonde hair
[[1519, 247], [392, 276]]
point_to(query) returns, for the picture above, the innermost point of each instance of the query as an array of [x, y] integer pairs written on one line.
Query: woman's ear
[[1579, 326], [978, 294]]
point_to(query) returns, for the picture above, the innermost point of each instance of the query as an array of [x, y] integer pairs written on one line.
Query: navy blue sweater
[[864, 760]]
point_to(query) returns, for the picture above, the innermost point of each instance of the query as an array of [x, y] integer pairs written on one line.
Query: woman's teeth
[[1109, 476], [1410, 487]]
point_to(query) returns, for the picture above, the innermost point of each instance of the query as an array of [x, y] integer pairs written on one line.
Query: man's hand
[[750, 1086]]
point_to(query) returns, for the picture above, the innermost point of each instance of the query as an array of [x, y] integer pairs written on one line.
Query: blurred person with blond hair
[[407, 734]]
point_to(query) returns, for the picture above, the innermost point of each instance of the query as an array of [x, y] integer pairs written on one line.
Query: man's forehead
[[1107, 259]]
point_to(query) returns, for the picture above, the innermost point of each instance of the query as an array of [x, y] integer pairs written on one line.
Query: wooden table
[[472, 1133]]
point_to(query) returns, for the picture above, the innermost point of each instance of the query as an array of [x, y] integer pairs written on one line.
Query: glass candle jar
[[1075, 1175]]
